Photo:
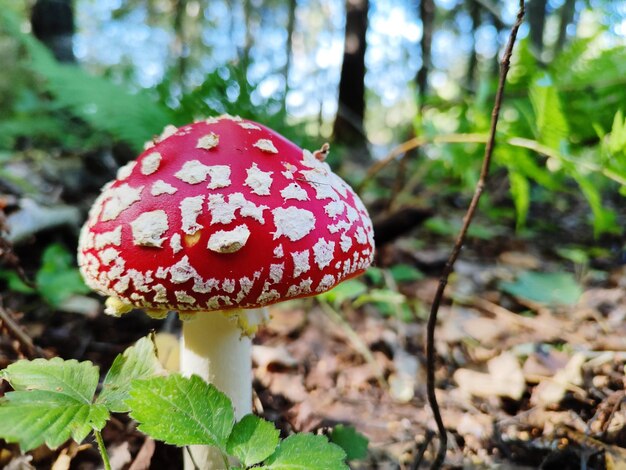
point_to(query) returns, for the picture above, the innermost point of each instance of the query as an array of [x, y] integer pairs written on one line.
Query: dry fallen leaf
[[504, 378], [552, 390]]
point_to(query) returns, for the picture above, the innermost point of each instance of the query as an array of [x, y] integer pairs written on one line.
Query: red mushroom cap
[[223, 214]]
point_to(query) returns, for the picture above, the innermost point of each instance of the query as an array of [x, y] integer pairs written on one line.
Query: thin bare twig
[[14, 329], [467, 220]]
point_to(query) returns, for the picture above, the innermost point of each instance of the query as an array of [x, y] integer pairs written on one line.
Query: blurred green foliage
[[56, 280]]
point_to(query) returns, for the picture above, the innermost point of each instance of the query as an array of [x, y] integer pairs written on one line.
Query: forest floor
[[530, 371]]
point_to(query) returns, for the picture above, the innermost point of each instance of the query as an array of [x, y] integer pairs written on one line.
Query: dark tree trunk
[[348, 127], [427, 15], [566, 16], [52, 23], [291, 23], [537, 21], [181, 46]]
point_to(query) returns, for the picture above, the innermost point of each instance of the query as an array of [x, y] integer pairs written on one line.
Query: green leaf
[[551, 123], [52, 401], [545, 288], [351, 441], [138, 362], [253, 440], [106, 106], [307, 452], [347, 290], [58, 278], [520, 191], [181, 411], [405, 273]]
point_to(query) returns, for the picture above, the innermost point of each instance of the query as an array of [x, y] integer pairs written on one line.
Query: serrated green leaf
[[52, 402], [138, 362], [181, 411], [253, 440], [520, 191], [551, 123], [351, 441], [306, 452], [546, 288]]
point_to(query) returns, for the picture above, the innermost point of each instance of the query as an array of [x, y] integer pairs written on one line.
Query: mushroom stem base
[[214, 348]]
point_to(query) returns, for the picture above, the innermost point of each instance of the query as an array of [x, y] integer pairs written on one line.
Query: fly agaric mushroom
[[215, 219]]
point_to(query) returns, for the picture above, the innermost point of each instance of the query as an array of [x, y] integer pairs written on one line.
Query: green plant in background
[[56, 280], [54, 400]]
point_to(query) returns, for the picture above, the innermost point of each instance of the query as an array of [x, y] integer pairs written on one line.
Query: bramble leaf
[[306, 452], [52, 402], [137, 362], [181, 411], [351, 441], [253, 439]]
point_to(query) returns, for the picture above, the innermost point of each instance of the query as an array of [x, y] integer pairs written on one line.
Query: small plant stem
[[358, 343], [103, 450], [467, 220]]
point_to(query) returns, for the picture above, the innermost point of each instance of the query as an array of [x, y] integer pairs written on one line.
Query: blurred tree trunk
[[566, 16], [247, 16], [474, 12], [291, 23], [52, 22], [427, 15], [348, 127], [180, 45], [537, 21]]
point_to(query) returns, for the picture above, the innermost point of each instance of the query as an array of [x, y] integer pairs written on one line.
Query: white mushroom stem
[[217, 347]]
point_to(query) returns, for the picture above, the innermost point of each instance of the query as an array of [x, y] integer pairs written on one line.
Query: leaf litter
[[531, 368]]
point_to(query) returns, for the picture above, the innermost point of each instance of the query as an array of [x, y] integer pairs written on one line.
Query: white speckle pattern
[[149, 227], [278, 251], [276, 272], [323, 252], [229, 241], [192, 172], [300, 262], [293, 223], [183, 297], [182, 271], [160, 293], [294, 191], [208, 141], [249, 126], [345, 243], [219, 175], [223, 212], [321, 183], [168, 131], [108, 255], [150, 163], [161, 187], [175, 243], [268, 296], [124, 171], [114, 237], [334, 208], [326, 283], [258, 180], [303, 288], [266, 145], [190, 209], [360, 236], [118, 199]]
